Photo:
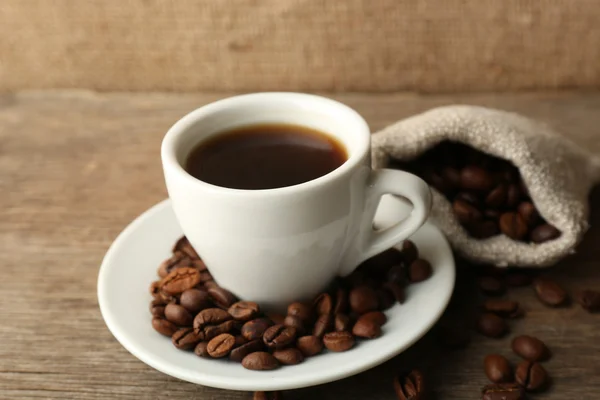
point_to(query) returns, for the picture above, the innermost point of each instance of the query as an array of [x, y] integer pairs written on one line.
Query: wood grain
[[76, 167]]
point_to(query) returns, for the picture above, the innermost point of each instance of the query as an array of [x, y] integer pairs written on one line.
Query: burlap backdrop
[[361, 45]]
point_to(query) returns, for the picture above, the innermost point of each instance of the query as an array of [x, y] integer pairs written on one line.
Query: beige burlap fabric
[[558, 174]]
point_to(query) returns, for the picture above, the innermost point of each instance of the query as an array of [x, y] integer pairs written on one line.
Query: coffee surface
[[265, 157]]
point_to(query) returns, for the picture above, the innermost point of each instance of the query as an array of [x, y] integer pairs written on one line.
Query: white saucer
[[130, 266]]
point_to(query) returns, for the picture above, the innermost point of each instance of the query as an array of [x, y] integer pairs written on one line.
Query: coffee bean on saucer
[[398, 274], [465, 212], [323, 304], [276, 317], [530, 348], [178, 315], [267, 396], [550, 292], [221, 345], [513, 225], [179, 280], [385, 298], [410, 252], [367, 328], [396, 290], [323, 325], [163, 326], [295, 322], [531, 375], [342, 322], [503, 391], [338, 341], [589, 300], [279, 336], [341, 301], [491, 325], [497, 368], [184, 246], [503, 308], [211, 331], [243, 310], [210, 284], [201, 350], [239, 341], [185, 339], [363, 299], [177, 260], [419, 270], [221, 297], [260, 361], [302, 311], [157, 308], [491, 286], [238, 353], [195, 300], [377, 316], [410, 386], [210, 316], [544, 233], [255, 329], [309, 345], [289, 356]]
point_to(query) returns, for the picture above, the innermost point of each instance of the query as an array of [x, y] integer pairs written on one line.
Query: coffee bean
[[385, 298], [518, 279], [492, 215], [589, 300], [531, 375], [491, 325], [530, 348], [178, 315], [377, 316], [206, 276], [260, 361], [157, 308], [238, 353], [410, 386], [419, 270], [491, 286], [185, 339], [465, 212], [221, 345], [309, 345], [289, 356], [302, 311], [195, 300], [483, 229], [179, 280], [296, 323], [473, 177], [177, 260], [379, 264], [239, 340], [338, 341], [468, 197], [184, 246], [267, 396], [212, 331], [366, 328], [341, 301], [503, 391], [163, 326], [209, 285], [451, 176], [155, 290], [544, 233], [397, 274], [513, 196], [243, 310], [363, 299], [279, 336], [410, 252], [396, 290], [322, 325], [201, 350], [210, 316], [497, 197], [221, 297], [276, 318], [497, 368], [503, 308], [323, 304], [550, 292], [342, 322], [255, 329], [513, 225], [529, 213]]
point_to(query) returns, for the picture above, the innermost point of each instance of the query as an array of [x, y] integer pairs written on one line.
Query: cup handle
[[388, 181]]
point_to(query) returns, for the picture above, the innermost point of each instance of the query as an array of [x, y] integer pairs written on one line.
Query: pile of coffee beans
[[199, 316], [487, 194]]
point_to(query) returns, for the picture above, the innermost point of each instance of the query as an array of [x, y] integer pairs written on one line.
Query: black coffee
[[265, 157]]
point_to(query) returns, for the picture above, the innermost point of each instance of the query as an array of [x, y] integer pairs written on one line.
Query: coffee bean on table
[[366, 328], [410, 252], [338, 341], [544, 233], [300, 310], [530, 348], [260, 361], [323, 304], [268, 396], [215, 330], [363, 299], [309, 345], [210, 316], [201, 350], [289, 356], [185, 339], [419, 270], [180, 280], [518, 279], [195, 300], [157, 308], [163, 326], [221, 297], [255, 329], [497, 368], [410, 386], [178, 315], [221, 345], [341, 301], [279, 336], [503, 308], [238, 353], [531, 375], [243, 310], [589, 300], [491, 325], [466, 213], [503, 391], [491, 286], [550, 292], [513, 225], [323, 325], [276, 317], [342, 322], [396, 290]]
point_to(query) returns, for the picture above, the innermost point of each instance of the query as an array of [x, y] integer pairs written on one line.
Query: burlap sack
[[558, 174]]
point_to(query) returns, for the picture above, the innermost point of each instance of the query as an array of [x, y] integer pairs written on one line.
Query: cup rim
[[181, 127]]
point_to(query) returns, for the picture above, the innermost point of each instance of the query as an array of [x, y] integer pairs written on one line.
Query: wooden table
[[76, 167]]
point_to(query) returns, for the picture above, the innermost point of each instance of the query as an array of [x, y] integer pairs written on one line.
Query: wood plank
[[78, 166]]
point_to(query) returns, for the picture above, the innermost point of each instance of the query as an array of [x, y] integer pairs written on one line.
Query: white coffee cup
[[280, 245]]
